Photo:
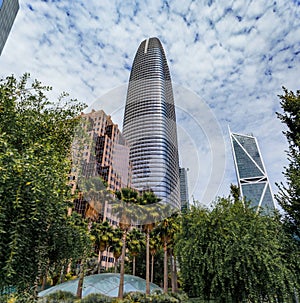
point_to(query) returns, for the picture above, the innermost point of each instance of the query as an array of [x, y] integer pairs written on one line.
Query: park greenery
[[226, 253], [233, 254], [289, 193], [35, 136]]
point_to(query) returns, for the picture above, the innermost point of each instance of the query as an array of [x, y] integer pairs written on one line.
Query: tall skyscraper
[[251, 173], [149, 124], [184, 194], [8, 12]]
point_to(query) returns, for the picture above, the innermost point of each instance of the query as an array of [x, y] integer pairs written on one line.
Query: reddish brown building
[[103, 156]]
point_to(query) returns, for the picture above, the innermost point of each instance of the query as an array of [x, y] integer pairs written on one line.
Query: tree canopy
[[232, 254], [35, 140], [289, 194]]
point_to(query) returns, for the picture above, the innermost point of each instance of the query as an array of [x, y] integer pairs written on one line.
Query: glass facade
[[251, 173], [184, 195], [8, 12], [149, 124], [106, 284]]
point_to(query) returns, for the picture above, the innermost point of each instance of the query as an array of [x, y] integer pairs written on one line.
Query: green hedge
[[133, 297]]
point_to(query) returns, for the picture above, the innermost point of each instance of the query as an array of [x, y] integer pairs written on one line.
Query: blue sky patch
[[234, 56]]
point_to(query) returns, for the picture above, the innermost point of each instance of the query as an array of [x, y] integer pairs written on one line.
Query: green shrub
[[181, 296], [58, 297], [164, 298], [135, 297], [157, 297], [97, 298]]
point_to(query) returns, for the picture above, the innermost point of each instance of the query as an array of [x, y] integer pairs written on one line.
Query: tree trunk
[[62, 275], [69, 266], [99, 262], [116, 266], [106, 264], [133, 265], [122, 269], [152, 267], [165, 267], [147, 264], [80, 281], [44, 279], [173, 273]]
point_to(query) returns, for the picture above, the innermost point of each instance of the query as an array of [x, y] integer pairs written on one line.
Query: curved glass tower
[[150, 124]]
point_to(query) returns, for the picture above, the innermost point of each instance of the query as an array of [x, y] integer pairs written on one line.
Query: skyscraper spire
[[150, 124]]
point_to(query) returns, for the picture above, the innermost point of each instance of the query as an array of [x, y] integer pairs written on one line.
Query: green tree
[[35, 139], [103, 233], [116, 245], [154, 246], [135, 244], [167, 230], [232, 254], [289, 194], [126, 211], [151, 214], [93, 191], [158, 270]]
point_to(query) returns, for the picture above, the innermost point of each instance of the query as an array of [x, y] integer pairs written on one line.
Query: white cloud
[[235, 56]]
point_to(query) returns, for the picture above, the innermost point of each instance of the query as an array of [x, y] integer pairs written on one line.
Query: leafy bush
[[181, 296], [132, 297], [156, 297], [59, 297], [97, 298], [164, 298], [135, 297]]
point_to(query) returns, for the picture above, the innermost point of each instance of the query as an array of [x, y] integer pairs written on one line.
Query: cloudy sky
[[228, 60]]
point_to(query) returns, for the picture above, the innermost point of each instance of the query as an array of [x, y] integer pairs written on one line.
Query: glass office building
[[251, 173], [184, 194], [8, 12], [149, 124]]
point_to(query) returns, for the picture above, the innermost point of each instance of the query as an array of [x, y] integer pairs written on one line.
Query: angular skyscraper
[[8, 12], [251, 173], [149, 124]]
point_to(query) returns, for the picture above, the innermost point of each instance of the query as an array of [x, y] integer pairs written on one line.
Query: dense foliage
[[158, 269], [35, 139], [132, 297], [232, 254], [289, 194]]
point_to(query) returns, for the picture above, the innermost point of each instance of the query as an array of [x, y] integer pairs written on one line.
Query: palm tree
[[126, 211], [154, 245], [173, 267], [135, 243], [94, 192], [103, 233], [116, 245], [85, 229], [166, 231], [151, 214]]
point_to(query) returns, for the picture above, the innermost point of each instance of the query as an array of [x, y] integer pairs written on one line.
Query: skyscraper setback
[[150, 124]]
